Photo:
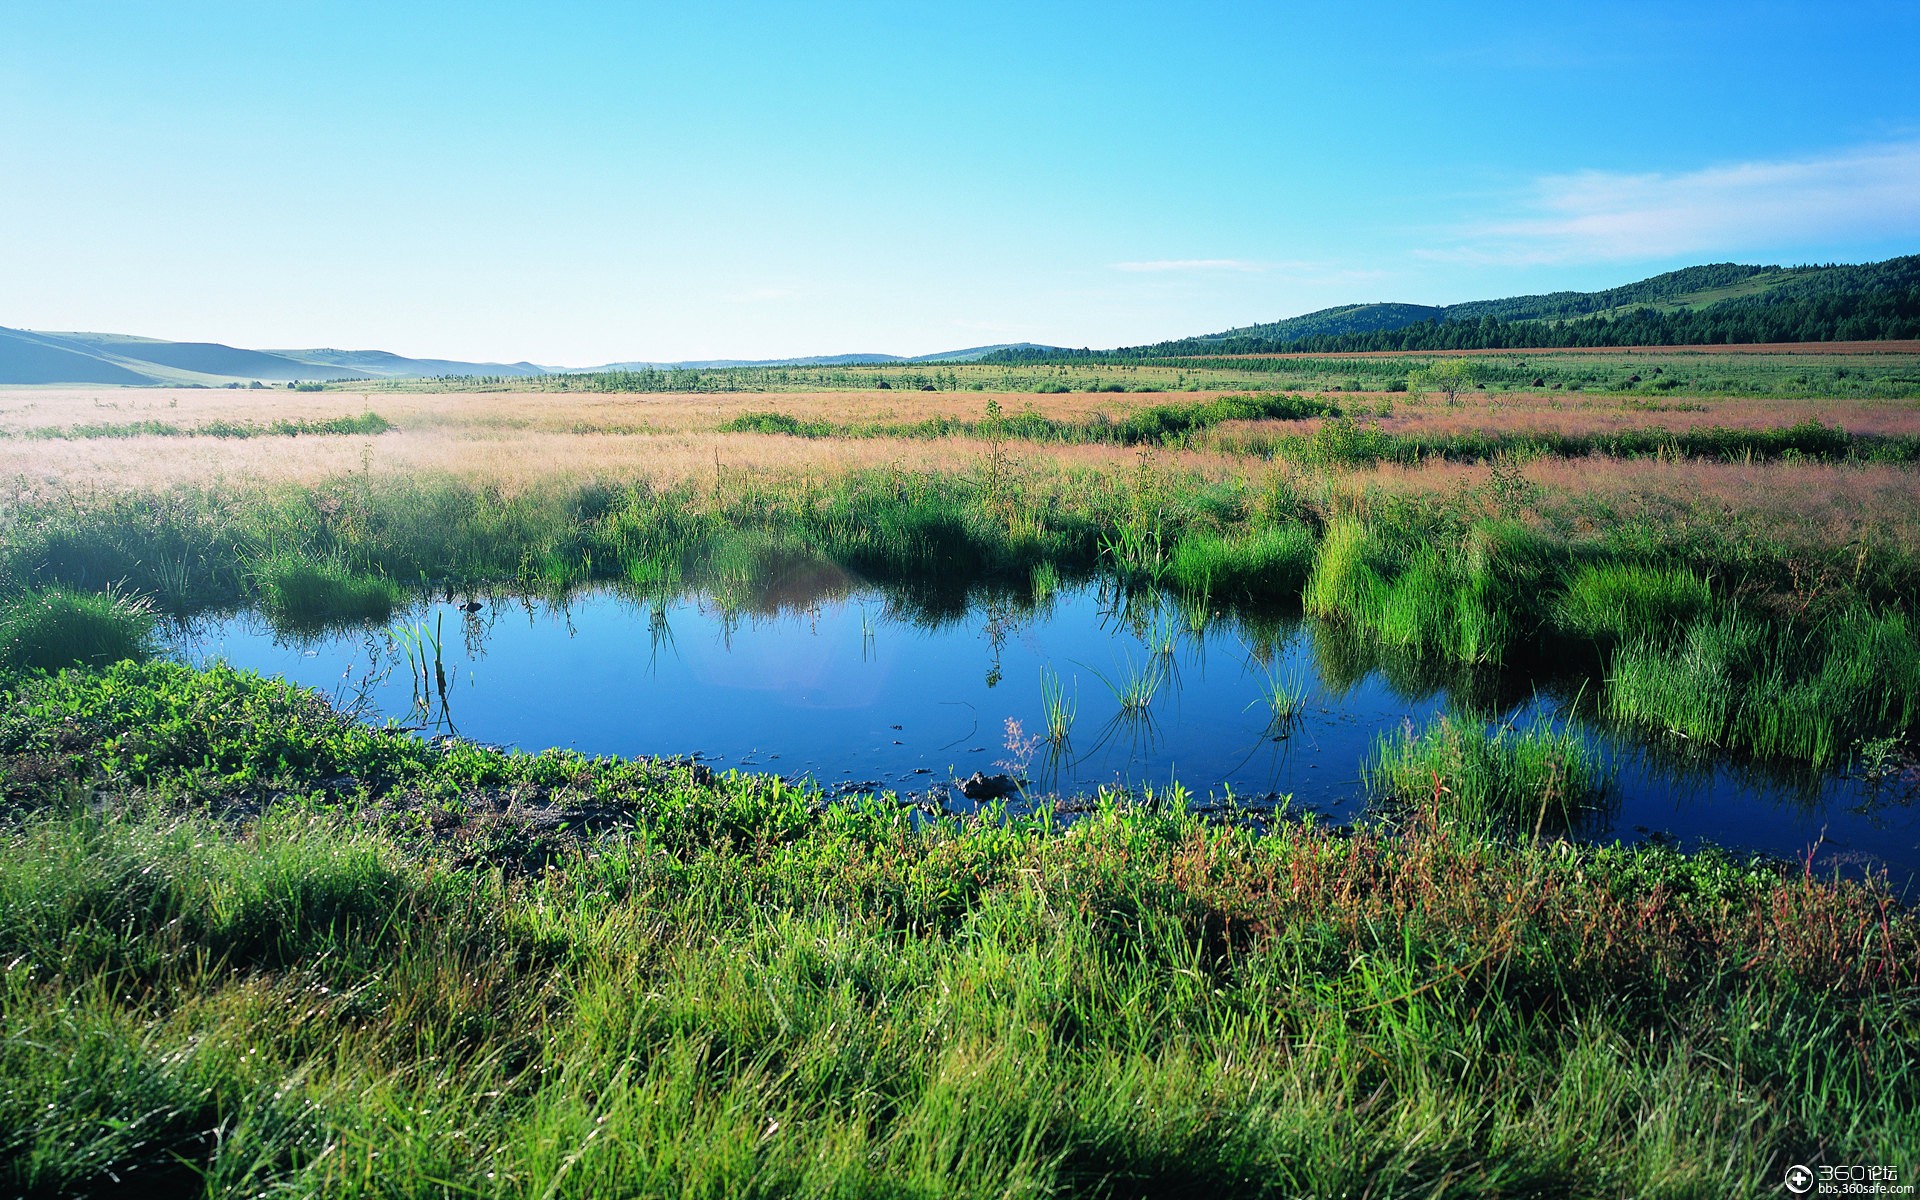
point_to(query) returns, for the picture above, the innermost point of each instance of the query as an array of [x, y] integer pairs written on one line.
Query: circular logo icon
[[1799, 1180]]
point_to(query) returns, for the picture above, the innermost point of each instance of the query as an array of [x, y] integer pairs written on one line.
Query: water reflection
[[1082, 687]]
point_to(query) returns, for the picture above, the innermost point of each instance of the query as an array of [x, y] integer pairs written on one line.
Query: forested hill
[[1717, 304]]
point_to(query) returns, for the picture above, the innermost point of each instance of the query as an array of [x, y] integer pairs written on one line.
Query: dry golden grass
[[22, 409], [1805, 504], [1524, 412], [517, 440]]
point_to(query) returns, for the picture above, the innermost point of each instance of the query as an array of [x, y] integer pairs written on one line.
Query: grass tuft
[[1529, 780], [56, 628], [304, 593]]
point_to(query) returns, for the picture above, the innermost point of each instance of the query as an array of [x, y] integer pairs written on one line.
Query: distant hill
[[1348, 318], [35, 358], [30, 356], [1714, 304], [379, 364], [824, 360]]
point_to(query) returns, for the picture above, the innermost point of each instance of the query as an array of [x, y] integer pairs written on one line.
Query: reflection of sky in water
[[854, 691]]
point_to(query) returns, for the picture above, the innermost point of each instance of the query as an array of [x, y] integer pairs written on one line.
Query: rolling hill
[[1716, 303], [35, 357]]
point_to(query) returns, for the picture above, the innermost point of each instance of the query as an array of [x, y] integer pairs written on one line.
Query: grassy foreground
[[252, 947]]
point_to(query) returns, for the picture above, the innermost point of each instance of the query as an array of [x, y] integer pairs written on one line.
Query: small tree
[[1449, 377]]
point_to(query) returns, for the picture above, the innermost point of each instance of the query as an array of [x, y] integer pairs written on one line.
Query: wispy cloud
[[1867, 193], [1196, 264]]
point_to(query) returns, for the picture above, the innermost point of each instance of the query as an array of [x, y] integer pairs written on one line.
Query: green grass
[[306, 593], [1058, 708], [1464, 602], [1270, 563], [1695, 373], [772, 422], [1347, 442], [365, 423], [1811, 694], [55, 628], [1527, 780], [1283, 695], [1622, 601], [385, 983]]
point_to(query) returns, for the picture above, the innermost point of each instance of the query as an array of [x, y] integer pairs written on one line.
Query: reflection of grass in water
[[659, 635]]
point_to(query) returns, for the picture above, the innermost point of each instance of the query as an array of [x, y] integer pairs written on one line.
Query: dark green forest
[[1719, 304]]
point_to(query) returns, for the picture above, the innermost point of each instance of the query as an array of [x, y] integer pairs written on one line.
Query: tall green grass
[[1613, 602], [1465, 602], [305, 592], [1811, 693], [1269, 563], [365, 423], [1533, 779], [54, 628]]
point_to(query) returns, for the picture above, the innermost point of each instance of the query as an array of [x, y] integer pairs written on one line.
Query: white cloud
[[1864, 194]]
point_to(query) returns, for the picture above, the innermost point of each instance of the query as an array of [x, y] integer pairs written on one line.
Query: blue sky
[[576, 183]]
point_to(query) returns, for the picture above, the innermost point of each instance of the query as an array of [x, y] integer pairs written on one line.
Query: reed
[[1282, 693]]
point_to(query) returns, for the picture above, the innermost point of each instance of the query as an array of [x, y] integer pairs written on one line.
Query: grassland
[[256, 946]]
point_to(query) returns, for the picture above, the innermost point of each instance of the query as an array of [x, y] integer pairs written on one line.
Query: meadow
[[254, 945]]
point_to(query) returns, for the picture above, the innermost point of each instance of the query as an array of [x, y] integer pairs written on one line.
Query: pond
[[860, 690]]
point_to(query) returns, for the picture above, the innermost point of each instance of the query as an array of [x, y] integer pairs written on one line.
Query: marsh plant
[[1535, 779], [1058, 707], [55, 628], [1282, 695]]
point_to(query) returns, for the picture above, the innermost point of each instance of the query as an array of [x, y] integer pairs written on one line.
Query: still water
[[862, 691]]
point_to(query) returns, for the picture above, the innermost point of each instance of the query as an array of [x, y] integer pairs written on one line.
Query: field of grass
[[451, 969], [253, 946]]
